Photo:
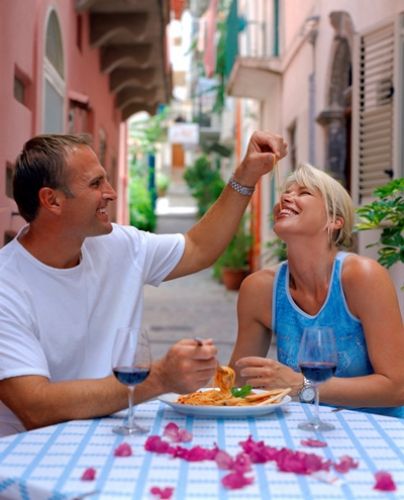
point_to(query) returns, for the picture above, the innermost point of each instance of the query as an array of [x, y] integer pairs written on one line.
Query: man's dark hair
[[42, 163]]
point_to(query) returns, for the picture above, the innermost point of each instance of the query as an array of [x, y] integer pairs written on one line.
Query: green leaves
[[386, 213], [241, 392]]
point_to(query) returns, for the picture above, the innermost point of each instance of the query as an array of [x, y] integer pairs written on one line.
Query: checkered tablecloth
[[48, 463]]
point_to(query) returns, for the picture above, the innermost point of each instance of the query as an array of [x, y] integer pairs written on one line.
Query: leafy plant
[[162, 183], [144, 134], [236, 255], [204, 182], [276, 251], [141, 213], [386, 213]]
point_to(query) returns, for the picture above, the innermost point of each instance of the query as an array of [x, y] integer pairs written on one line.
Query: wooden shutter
[[376, 100]]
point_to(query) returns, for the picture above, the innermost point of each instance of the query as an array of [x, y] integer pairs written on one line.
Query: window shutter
[[376, 100]]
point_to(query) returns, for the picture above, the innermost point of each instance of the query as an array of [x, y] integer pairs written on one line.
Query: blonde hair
[[336, 198]]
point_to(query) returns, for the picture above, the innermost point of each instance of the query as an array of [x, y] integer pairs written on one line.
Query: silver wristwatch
[[307, 393], [244, 190]]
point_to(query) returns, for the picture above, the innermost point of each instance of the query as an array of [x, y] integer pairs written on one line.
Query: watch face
[[307, 395]]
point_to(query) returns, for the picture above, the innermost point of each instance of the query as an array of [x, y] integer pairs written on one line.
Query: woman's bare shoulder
[[263, 277], [357, 267]]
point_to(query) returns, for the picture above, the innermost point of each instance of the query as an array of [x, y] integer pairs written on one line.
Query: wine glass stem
[[130, 409], [316, 420]]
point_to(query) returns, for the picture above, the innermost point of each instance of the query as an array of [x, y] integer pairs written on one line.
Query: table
[[47, 463]]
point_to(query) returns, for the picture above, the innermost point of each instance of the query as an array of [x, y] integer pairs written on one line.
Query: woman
[[321, 285]]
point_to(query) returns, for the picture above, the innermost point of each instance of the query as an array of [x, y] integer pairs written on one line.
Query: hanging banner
[[184, 133]]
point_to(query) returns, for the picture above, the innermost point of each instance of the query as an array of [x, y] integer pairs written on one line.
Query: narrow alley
[[196, 305]]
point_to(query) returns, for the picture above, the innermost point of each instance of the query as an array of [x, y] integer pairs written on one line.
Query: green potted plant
[[386, 213], [233, 264], [162, 183], [205, 183]]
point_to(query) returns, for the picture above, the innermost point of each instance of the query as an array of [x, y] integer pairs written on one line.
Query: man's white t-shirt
[[60, 323]]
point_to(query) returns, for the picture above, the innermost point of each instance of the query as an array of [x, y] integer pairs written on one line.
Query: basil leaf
[[241, 392]]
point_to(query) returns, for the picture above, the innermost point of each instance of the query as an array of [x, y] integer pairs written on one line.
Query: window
[[292, 146], [19, 90], [79, 32], [374, 109], [9, 179], [54, 85]]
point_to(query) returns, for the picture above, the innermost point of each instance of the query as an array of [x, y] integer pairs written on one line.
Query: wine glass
[[131, 360], [317, 359]]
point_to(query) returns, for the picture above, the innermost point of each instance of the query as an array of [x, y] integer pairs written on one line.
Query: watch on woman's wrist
[[307, 393]]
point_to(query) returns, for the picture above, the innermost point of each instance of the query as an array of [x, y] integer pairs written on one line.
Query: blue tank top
[[288, 322]]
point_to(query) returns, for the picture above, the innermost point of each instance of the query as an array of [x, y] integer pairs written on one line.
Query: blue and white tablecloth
[[48, 463]]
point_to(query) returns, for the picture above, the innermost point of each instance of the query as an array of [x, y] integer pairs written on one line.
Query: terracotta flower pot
[[232, 278]]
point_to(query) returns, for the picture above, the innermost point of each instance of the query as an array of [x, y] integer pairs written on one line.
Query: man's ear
[[50, 199]]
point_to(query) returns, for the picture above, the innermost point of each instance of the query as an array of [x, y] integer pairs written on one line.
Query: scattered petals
[[384, 482], [88, 474], [313, 443], [176, 434], [162, 493], [123, 450], [157, 445], [345, 464], [235, 481], [194, 454], [286, 460], [257, 452]]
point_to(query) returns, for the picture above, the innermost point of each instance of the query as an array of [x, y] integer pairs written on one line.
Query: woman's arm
[[254, 313], [371, 297], [254, 318]]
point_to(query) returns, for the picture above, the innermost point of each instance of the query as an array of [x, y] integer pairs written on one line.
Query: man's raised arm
[[209, 237]]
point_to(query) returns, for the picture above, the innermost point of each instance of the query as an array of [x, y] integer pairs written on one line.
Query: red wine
[[130, 375], [318, 372]]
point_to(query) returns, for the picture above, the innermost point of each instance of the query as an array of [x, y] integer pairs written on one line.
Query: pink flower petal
[[384, 481], [170, 430], [123, 450], [157, 445], [88, 474], [345, 464], [224, 460], [235, 481], [162, 493], [175, 434], [184, 436], [314, 443], [242, 463]]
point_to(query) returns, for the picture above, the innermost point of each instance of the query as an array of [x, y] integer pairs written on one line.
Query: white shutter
[[375, 114]]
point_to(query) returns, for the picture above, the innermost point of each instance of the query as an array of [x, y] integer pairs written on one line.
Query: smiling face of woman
[[301, 211], [334, 209]]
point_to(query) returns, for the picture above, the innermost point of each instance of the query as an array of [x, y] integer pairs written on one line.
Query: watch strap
[[244, 190]]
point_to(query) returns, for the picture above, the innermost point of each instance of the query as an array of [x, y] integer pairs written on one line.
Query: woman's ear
[[336, 224]]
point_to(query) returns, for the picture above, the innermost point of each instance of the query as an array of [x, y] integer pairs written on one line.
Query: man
[[70, 278]]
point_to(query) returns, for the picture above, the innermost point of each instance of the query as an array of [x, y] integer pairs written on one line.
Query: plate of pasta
[[225, 400]]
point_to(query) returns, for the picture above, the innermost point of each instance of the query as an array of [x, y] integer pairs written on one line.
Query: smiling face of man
[[89, 193]]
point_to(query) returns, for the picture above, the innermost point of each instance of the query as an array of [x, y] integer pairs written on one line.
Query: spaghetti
[[222, 395]]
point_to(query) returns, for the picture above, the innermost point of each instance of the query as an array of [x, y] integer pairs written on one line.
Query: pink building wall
[[22, 47]]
